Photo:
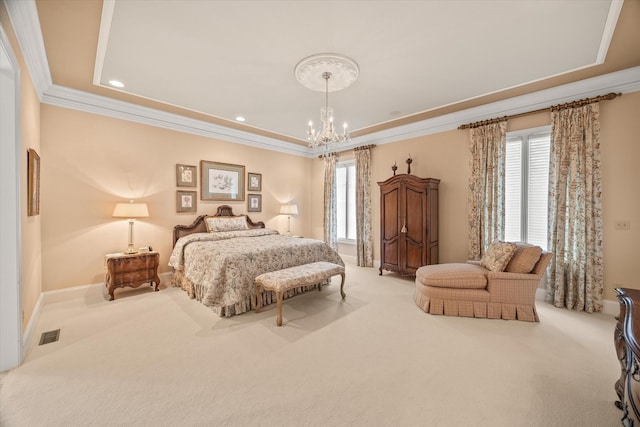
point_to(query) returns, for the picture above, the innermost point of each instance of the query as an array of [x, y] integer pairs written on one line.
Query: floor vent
[[51, 336]]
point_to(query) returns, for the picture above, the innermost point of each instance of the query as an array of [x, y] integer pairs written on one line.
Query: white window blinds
[[513, 191], [346, 200], [538, 190], [527, 187]]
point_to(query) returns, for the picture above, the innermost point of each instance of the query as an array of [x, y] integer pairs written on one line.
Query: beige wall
[[31, 269], [91, 162], [446, 156], [620, 145]]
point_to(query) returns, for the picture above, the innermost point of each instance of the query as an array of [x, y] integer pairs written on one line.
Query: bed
[[216, 259]]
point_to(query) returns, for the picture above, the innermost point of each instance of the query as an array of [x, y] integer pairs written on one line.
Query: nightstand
[[131, 270]]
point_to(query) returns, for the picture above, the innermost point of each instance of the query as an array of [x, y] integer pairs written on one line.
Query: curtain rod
[[573, 104], [364, 147]]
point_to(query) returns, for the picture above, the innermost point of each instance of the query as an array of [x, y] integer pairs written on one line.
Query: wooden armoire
[[408, 223]]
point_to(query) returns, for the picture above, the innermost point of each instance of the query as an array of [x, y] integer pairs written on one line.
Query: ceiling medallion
[[344, 71], [327, 72]]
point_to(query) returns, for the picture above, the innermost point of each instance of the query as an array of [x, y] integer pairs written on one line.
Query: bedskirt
[[247, 304]]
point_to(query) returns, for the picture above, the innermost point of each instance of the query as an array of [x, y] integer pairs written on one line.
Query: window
[[346, 198], [527, 186]]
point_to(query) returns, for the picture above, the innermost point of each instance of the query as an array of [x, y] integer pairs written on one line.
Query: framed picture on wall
[[186, 201], [254, 203], [33, 183], [221, 181], [254, 182], [186, 176]]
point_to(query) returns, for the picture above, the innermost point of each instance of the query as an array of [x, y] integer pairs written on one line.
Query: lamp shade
[[131, 210], [291, 209]]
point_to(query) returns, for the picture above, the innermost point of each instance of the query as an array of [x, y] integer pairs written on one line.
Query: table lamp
[[289, 209], [131, 211]]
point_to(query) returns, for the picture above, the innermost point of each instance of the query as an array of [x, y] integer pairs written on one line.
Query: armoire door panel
[[415, 256], [415, 206], [391, 253], [390, 201], [433, 216]]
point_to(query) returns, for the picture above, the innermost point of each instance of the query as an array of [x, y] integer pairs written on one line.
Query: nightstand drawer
[[126, 277], [135, 264]]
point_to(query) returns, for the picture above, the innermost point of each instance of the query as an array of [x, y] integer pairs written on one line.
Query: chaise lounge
[[500, 286]]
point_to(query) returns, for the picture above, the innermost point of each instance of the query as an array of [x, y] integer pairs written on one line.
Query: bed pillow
[[498, 255], [525, 258], [228, 223]]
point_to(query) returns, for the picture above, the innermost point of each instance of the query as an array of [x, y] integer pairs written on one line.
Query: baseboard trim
[[95, 289], [66, 294], [349, 259], [31, 327], [353, 260], [611, 308]]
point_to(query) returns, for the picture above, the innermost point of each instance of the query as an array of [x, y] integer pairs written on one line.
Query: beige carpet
[[161, 359]]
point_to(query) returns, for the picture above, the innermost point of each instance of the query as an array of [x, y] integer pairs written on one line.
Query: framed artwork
[[254, 203], [254, 182], [186, 176], [33, 184], [186, 201], [221, 181]]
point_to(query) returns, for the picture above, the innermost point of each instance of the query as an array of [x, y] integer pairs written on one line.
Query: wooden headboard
[[199, 226]]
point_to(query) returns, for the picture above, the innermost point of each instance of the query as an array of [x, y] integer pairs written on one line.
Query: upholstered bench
[[294, 277]]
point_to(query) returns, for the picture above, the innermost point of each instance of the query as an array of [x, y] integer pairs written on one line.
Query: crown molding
[[609, 27], [108, 8], [625, 81], [79, 100], [24, 18]]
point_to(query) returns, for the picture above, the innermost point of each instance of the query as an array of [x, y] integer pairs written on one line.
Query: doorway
[[10, 217]]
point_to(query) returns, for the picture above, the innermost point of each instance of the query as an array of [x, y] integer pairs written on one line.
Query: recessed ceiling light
[[116, 83], [240, 119]]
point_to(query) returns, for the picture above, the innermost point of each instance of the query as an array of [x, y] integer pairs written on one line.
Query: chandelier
[[337, 72]]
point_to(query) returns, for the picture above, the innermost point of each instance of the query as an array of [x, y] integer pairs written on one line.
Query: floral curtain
[[364, 238], [575, 210], [486, 186], [330, 201]]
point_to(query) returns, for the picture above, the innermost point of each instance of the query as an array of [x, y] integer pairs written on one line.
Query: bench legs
[[280, 297], [341, 287]]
